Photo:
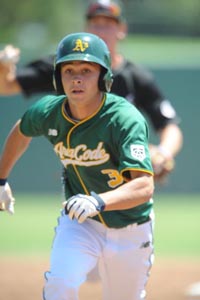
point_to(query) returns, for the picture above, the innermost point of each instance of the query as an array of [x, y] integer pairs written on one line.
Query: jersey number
[[116, 178]]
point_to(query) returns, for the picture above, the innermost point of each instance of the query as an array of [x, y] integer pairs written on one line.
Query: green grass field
[[31, 229]]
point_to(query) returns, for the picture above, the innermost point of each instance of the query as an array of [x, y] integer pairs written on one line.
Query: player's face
[[80, 81], [106, 28]]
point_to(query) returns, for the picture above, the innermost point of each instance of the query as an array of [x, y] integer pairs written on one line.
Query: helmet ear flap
[[105, 80], [57, 83]]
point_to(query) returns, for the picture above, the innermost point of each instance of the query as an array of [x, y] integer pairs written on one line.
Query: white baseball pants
[[124, 255]]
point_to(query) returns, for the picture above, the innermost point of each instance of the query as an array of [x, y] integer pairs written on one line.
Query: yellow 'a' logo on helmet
[[80, 45]]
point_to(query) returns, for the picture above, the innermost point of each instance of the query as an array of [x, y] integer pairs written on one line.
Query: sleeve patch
[[138, 152]]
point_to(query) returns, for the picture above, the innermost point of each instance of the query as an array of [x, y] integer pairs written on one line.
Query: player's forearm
[[14, 147], [129, 195], [171, 139]]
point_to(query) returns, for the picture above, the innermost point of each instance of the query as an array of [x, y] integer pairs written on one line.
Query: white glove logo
[[6, 199], [81, 206]]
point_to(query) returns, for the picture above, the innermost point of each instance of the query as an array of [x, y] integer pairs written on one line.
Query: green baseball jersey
[[97, 152]]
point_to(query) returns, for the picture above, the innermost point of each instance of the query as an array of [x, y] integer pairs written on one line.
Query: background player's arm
[[8, 82], [171, 139], [15, 145], [163, 155], [33, 78], [165, 122]]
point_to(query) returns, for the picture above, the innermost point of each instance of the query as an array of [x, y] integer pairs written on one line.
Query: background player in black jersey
[[131, 81]]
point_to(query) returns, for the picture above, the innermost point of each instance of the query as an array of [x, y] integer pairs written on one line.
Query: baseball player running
[[102, 142]]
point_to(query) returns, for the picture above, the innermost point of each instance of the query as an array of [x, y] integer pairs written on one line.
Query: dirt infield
[[22, 279]]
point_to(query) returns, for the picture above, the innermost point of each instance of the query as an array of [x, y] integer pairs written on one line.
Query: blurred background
[[46, 22], [163, 35]]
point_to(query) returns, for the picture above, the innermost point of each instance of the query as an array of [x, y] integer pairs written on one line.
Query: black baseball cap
[[105, 8]]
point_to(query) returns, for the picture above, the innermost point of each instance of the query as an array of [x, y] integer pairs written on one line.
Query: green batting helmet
[[84, 47]]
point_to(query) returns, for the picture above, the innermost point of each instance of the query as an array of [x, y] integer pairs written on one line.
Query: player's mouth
[[77, 91]]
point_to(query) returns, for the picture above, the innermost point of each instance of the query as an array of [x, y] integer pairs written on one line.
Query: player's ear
[[122, 32]]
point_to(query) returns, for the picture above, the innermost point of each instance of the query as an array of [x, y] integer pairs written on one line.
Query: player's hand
[[7, 200], [163, 163], [82, 206]]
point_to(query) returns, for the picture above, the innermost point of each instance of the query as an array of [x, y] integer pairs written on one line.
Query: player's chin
[[79, 99]]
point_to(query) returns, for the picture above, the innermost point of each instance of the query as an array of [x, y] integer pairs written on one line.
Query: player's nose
[[77, 80]]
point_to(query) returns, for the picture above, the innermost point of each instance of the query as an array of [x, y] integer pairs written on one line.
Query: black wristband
[[3, 181], [99, 200]]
